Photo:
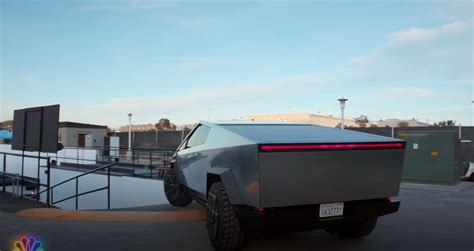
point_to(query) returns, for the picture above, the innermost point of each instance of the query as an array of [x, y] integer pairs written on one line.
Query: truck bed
[[295, 175]]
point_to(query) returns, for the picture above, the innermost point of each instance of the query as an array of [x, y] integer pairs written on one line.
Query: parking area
[[430, 218]]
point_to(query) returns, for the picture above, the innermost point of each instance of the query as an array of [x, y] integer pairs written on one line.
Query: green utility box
[[430, 156]]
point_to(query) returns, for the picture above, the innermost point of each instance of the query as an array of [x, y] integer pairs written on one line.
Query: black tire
[[174, 192], [358, 229], [222, 223], [471, 178]]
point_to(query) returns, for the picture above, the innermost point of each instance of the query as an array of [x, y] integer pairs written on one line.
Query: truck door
[[192, 161]]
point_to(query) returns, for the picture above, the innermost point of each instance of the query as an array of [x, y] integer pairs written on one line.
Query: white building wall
[[69, 136]]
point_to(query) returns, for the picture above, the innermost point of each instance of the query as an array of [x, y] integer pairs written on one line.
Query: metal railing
[[15, 182], [143, 158], [22, 173], [76, 196], [139, 158]]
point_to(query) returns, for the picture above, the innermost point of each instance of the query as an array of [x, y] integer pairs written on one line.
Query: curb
[[115, 216]]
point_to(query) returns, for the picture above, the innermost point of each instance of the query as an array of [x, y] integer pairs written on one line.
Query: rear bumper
[[307, 217]]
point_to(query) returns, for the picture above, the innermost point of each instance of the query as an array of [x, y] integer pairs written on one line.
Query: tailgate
[[301, 174]]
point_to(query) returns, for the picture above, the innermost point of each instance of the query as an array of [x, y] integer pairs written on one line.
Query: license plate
[[331, 209]]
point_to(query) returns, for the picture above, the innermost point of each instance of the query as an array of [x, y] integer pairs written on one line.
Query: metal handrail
[[77, 194], [83, 174], [24, 155], [150, 158], [22, 176]]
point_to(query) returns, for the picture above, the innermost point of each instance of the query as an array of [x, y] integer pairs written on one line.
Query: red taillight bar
[[333, 146]]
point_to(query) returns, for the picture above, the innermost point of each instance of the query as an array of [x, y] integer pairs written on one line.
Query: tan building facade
[[304, 117], [72, 134]]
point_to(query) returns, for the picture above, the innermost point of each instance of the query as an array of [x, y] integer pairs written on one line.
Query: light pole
[[342, 102], [129, 152]]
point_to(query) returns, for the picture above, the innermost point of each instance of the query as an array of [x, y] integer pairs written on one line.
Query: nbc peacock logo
[[28, 243]]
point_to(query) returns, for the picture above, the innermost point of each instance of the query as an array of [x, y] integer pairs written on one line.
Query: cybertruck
[[285, 177]]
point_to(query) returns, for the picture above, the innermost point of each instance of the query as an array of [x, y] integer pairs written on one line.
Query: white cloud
[[27, 78], [185, 22], [407, 92], [129, 5], [416, 54], [198, 101]]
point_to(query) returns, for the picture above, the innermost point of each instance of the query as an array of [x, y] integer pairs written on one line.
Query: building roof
[[80, 125]]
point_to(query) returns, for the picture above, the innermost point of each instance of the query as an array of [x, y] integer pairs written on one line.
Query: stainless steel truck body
[[286, 177]]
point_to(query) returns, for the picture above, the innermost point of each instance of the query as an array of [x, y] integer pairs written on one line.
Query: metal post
[[40, 144], [4, 171], [38, 186], [17, 182], [130, 131], [133, 162], [129, 135], [460, 132], [48, 182], [77, 155], [342, 119], [22, 170], [77, 191], [52, 199], [108, 188], [151, 170], [342, 102], [393, 132]]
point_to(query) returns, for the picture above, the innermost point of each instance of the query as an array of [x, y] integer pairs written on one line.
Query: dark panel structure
[[464, 134], [154, 140], [36, 129]]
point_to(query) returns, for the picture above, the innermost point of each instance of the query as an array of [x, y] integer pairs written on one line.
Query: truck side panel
[[313, 177]]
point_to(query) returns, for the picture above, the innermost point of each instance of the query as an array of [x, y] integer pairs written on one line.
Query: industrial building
[[332, 121], [75, 134], [303, 117]]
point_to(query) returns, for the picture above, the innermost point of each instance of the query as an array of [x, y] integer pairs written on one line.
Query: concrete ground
[[430, 218]]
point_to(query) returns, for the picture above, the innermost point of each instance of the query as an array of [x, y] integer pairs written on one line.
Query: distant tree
[[362, 121], [164, 124], [403, 124], [339, 126], [445, 123], [373, 125], [110, 131]]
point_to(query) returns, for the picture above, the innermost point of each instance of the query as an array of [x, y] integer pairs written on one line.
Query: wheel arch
[[225, 176]]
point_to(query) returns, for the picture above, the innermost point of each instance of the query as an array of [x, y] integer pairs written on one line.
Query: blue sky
[[196, 60]]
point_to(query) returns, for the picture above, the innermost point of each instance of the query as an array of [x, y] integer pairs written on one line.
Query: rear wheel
[[357, 229], [222, 223], [174, 192]]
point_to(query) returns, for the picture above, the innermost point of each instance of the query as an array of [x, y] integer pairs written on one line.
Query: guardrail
[[134, 158], [156, 160], [50, 190], [22, 174]]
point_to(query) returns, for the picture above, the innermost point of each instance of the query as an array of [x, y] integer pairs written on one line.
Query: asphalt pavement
[[429, 219]]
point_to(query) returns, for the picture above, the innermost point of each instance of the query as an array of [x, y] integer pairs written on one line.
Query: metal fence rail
[[156, 160], [50, 190], [22, 174]]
